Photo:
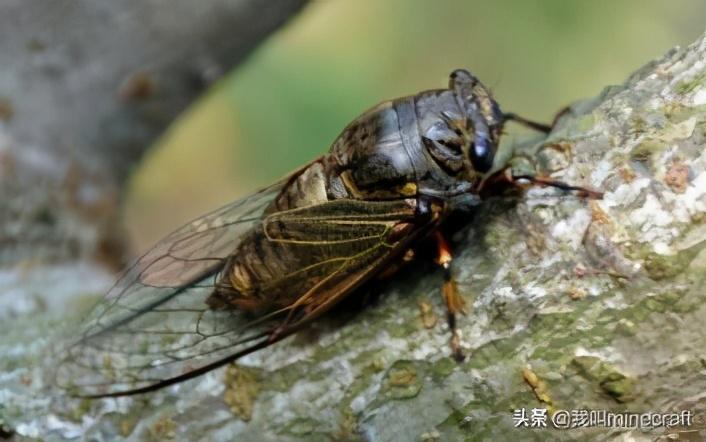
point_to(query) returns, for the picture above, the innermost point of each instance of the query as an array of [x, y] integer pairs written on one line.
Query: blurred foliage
[[339, 57]]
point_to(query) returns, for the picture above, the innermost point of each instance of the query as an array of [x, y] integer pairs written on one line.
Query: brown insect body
[[255, 271], [388, 158]]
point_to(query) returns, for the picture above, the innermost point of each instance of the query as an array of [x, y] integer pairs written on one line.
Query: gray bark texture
[[573, 304], [85, 87]]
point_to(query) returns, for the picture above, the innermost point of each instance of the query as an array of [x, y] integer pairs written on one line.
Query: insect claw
[[456, 350]]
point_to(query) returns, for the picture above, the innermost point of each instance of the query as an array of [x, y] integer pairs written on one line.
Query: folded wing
[[154, 328]]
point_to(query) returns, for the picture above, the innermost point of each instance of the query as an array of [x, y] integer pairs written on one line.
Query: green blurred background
[[286, 104]]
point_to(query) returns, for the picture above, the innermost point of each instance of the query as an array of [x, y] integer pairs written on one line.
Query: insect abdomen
[[257, 260]]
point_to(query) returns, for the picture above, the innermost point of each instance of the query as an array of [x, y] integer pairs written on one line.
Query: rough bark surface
[[575, 304], [85, 87]]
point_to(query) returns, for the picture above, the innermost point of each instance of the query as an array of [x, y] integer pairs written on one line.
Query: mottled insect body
[[409, 150], [254, 272]]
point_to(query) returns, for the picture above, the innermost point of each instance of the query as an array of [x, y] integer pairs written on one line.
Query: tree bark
[[85, 88], [574, 304]]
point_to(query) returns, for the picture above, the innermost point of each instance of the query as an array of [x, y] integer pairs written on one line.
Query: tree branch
[[575, 305], [85, 89]]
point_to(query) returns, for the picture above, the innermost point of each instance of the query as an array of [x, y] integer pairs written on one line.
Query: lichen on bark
[[575, 304]]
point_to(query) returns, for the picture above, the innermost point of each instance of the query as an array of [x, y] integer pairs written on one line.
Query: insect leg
[[454, 302], [541, 127], [581, 191]]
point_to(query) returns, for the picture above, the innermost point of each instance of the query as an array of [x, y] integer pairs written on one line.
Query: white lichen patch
[[602, 171], [534, 292], [699, 97], [694, 198], [504, 292], [657, 221], [650, 215], [566, 229], [662, 248], [603, 355], [625, 194]]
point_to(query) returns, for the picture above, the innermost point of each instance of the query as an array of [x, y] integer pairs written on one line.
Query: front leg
[[540, 127], [454, 302], [583, 192]]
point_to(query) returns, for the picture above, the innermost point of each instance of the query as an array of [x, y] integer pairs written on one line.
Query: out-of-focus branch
[[85, 87]]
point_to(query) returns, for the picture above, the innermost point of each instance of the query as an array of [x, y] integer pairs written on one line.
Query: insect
[[255, 271]]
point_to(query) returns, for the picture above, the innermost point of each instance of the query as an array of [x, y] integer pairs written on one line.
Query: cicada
[[251, 273]]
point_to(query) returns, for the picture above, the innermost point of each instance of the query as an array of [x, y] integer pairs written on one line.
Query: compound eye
[[482, 155]]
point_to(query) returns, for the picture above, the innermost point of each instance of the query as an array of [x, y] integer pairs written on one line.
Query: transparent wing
[[151, 331], [156, 314]]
